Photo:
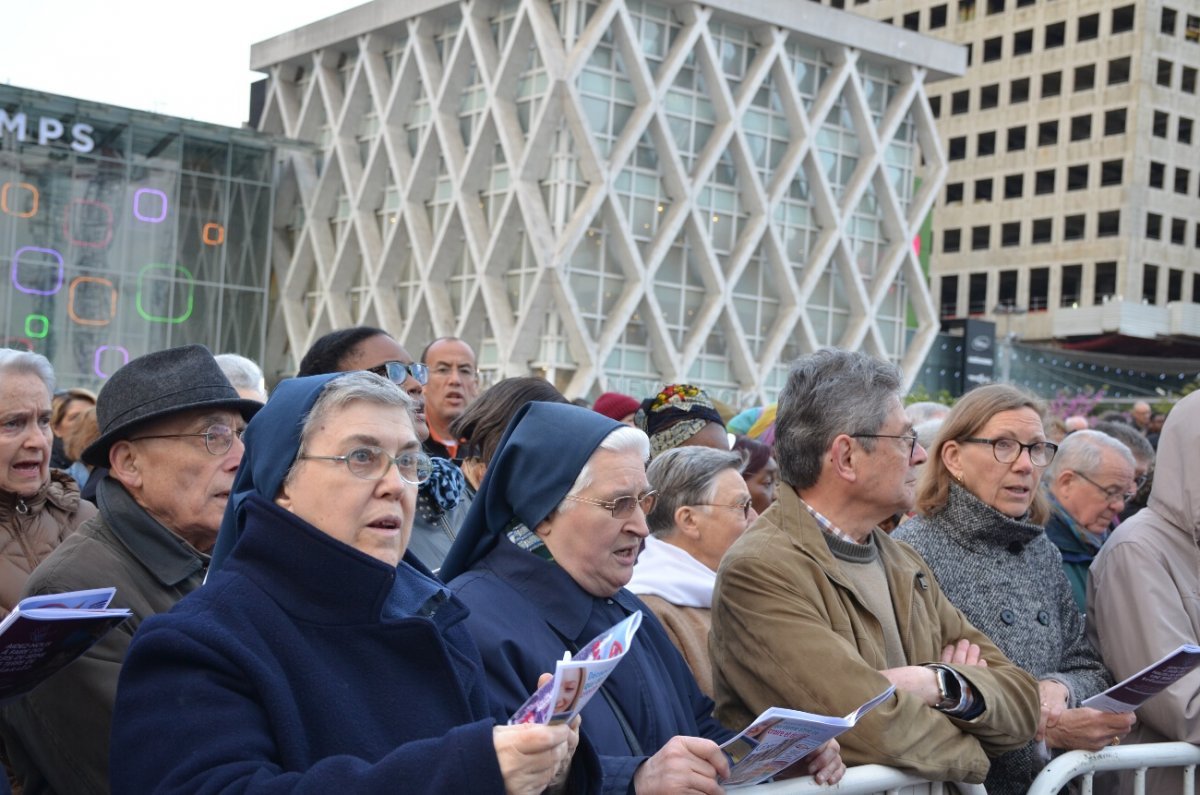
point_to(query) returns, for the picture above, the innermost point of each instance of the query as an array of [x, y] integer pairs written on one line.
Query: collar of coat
[[165, 555]]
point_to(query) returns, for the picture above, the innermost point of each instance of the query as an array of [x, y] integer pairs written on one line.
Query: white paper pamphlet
[[1130, 694]]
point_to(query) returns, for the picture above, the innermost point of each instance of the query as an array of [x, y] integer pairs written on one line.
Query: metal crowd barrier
[[869, 780], [1139, 758]]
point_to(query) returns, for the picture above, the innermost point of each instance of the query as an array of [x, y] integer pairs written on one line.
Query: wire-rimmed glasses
[[908, 437], [1111, 493], [371, 463], [217, 438], [622, 506], [745, 506]]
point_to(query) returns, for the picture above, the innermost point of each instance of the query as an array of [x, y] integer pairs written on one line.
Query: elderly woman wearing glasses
[[321, 657], [542, 562], [980, 529], [703, 506]]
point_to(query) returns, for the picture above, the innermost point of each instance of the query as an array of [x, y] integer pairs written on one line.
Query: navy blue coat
[[525, 611], [280, 676]]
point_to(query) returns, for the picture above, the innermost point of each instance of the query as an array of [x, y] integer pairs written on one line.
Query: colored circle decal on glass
[[139, 206], [37, 326], [158, 296], [23, 261], [8, 204], [88, 291], [100, 357], [213, 234]]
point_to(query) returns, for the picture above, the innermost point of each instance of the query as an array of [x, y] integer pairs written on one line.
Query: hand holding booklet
[[780, 737], [576, 679], [46, 633], [1130, 694]]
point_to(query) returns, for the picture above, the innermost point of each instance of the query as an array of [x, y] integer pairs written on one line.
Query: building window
[[985, 144], [1174, 285], [1111, 172], [937, 17], [983, 190], [948, 292], [1023, 42], [1043, 182], [1182, 177], [1074, 227], [1010, 234], [966, 10], [1106, 281], [958, 147], [960, 103], [1051, 84], [1043, 230], [1088, 28], [989, 96], [954, 192], [1158, 174], [1016, 138], [1184, 131], [1166, 23], [1118, 71], [1081, 127], [1048, 133], [1122, 19], [935, 106], [1196, 287], [951, 240], [1162, 120], [1149, 284], [1039, 289], [1187, 80], [1018, 90], [1007, 288], [1056, 36], [912, 21], [1085, 77], [993, 49], [981, 238], [1108, 223], [1154, 226], [977, 294], [1077, 177], [1114, 121], [1072, 285], [995, 7], [1191, 31], [1163, 74], [1179, 231], [1014, 186], [1024, 3]]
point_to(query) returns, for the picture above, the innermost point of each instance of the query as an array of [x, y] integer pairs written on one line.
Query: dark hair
[[483, 424], [326, 354], [755, 453]]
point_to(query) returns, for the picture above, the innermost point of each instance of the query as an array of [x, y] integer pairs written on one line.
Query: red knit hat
[[615, 406]]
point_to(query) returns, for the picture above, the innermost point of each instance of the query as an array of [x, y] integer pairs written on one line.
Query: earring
[[958, 477]]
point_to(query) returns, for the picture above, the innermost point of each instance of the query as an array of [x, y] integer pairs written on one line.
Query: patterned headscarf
[[674, 415]]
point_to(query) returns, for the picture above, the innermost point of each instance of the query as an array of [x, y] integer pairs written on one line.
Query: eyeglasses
[[217, 438], [1008, 450], [371, 463], [465, 372], [1112, 493], [908, 437], [623, 506], [745, 506], [398, 372]]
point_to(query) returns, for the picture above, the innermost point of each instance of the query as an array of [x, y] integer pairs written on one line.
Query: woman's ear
[[952, 459], [284, 499]]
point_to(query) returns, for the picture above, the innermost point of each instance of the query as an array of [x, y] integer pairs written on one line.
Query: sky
[[179, 58]]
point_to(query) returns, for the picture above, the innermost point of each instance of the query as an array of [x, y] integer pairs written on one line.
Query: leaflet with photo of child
[[576, 679]]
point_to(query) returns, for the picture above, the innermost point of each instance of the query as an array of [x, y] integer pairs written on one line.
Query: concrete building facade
[[612, 194], [1072, 203]]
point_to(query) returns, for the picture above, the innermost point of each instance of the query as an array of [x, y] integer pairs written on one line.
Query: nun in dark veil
[[321, 656], [542, 561]]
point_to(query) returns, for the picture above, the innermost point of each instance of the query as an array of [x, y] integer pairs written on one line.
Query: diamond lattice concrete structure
[[612, 194]]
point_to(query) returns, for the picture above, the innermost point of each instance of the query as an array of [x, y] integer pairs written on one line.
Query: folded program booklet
[[576, 679], [1130, 694], [780, 737], [46, 633]]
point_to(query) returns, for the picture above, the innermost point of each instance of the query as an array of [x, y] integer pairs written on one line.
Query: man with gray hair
[[816, 609], [245, 375], [1087, 483]]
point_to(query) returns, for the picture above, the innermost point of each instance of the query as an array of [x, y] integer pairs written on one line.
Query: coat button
[[1008, 616], [1043, 618]]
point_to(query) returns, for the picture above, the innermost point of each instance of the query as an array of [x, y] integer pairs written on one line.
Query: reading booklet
[[576, 679], [46, 633], [780, 737], [1130, 694]]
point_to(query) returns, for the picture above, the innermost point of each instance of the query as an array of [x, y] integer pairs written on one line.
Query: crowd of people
[[356, 581]]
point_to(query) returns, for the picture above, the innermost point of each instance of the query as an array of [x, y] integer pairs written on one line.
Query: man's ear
[[841, 457], [685, 521], [125, 464]]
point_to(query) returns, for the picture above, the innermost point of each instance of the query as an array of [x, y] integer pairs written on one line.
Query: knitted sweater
[[1007, 578]]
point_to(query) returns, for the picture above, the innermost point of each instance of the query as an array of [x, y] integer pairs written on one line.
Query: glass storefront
[[124, 232]]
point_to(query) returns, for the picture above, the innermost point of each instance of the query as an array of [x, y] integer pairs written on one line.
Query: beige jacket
[[687, 627], [790, 630]]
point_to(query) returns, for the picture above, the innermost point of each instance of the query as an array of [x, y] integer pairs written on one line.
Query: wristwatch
[[949, 692]]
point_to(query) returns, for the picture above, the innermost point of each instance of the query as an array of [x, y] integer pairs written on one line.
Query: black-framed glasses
[[745, 506], [217, 438], [1008, 450], [1111, 493], [371, 463], [398, 372], [908, 437], [623, 506]]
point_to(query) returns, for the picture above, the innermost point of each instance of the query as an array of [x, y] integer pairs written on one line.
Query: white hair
[[14, 361], [242, 372], [1082, 451], [624, 439]]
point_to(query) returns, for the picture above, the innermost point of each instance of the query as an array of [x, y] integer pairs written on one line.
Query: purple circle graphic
[[137, 201], [100, 352], [16, 265]]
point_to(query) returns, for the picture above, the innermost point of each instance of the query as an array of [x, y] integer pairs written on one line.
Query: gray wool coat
[[1007, 578]]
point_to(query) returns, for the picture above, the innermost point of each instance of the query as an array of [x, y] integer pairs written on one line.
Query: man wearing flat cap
[[170, 435]]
